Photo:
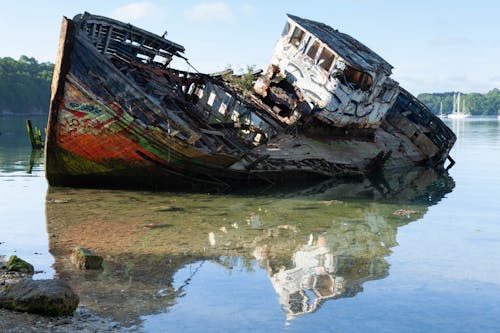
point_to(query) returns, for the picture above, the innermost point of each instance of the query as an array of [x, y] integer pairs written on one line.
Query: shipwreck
[[325, 107]]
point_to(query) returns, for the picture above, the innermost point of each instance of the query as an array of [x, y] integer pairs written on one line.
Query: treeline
[[25, 89], [474, 103], [24, 86]]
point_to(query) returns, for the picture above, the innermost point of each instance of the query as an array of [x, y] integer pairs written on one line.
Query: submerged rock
[[17, 264], [404, 212], [47, 297], [85, 259]]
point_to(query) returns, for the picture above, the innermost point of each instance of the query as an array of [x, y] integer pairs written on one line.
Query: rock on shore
[[47, 297], [85, 259], [19, 285], [19, 292], [16, 264]]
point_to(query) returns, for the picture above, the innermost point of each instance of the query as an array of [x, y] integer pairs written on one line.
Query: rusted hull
[[94, 137], [94, 140], [117, 121]]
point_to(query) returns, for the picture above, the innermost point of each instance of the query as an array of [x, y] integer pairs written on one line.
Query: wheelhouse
[[318, 52], [344, 83]]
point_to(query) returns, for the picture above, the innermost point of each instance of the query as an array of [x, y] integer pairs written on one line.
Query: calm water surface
[[414, 252]]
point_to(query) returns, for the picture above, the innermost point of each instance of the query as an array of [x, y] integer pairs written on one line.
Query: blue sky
[[434, 45]]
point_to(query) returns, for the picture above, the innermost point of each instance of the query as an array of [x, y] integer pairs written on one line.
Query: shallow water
[[415, 252]]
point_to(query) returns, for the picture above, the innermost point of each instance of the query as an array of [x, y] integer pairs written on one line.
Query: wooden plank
[[211, 132], [256, 161], [193, 138]]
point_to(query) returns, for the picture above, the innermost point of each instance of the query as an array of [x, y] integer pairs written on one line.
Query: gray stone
[[85, 259], [7, 277], [46, 297]]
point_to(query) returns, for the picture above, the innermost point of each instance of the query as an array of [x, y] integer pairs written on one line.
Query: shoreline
[[82, 320]]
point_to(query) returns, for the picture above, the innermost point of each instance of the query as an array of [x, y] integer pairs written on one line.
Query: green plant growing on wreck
[[243, 81]]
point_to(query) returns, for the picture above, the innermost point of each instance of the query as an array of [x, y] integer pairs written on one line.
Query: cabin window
[[356, 79], [313, 50], [326, 59], [297, 37], [211, 98]]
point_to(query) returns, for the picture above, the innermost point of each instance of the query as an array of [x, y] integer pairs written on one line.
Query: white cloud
[[248, 9], [447, 41], [134, 11], [210, 12]]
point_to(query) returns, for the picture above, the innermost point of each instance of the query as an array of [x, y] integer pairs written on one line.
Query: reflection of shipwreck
[[146, 237], [326, 106], [319, 273], [311, 280]]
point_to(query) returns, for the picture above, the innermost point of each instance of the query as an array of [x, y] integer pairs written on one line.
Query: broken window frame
[[364, 81], [297, 37], [329, 60], [314, 47]]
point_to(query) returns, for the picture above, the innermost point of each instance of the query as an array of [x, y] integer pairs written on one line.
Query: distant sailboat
[[457, 113], [441, 114]]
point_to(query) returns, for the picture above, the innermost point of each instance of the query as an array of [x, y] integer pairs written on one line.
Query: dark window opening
[[313, 50], [356, 79], [297, 37], [326, 59]]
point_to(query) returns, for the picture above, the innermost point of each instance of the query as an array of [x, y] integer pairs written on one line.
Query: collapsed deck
[[121, 116]]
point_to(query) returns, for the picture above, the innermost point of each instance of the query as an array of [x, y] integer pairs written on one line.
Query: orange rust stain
[[102, 146], [88, 136]]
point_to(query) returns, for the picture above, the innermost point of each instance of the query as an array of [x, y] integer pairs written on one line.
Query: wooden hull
[[93, 139], [117, 122]]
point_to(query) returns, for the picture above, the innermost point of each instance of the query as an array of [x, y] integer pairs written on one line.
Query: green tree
[[24, 85], [474, 103]]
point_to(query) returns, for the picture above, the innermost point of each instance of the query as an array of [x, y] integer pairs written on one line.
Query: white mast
[[454, 103], [458, 110]]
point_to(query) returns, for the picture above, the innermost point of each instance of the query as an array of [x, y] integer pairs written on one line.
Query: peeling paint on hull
[[120, 117]]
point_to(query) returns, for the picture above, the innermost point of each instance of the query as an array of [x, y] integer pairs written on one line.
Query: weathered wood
[[118, 114], [34, 135], [256, 161]]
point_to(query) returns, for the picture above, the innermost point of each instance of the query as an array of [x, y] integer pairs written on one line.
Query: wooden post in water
[[34, 135]]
